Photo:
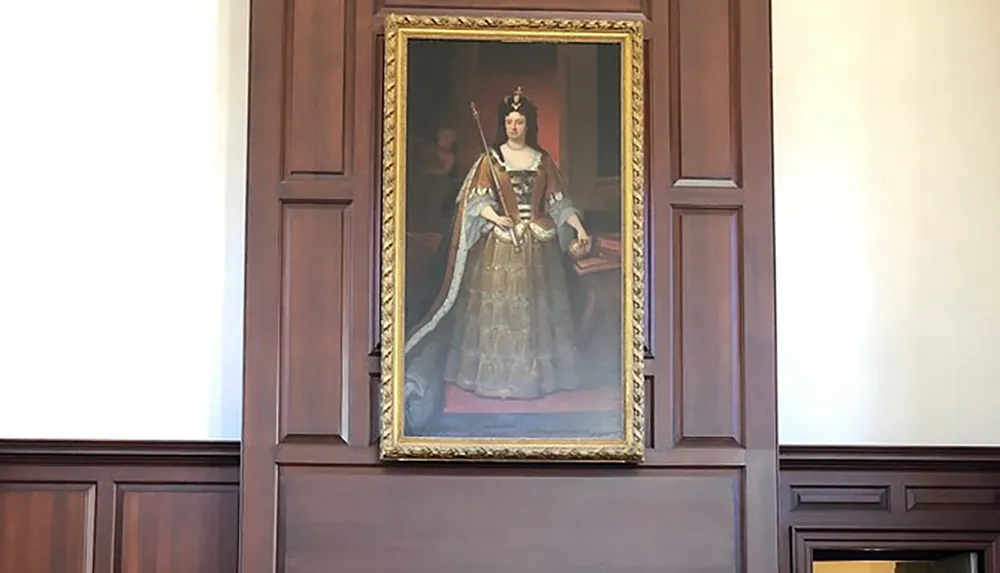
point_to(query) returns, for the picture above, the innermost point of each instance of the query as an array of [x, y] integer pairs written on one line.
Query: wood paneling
[[950, 498], [82, 507], [173, 507], [305, 57], [708, 359], [46, 527], [707, 106], [177, 527], [309, 461], [312, 372], [531, 521], [858, 498], [319, 46], [839, 497]]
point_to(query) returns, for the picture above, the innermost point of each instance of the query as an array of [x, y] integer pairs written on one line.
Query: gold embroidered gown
[[499, 324]]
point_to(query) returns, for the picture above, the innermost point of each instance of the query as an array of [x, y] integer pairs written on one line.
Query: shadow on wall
[[233, 70]]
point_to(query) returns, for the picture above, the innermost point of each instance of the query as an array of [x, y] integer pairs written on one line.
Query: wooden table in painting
[[600, 277]]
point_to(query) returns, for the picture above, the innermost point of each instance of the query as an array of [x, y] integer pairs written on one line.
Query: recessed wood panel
[[318, 86], [312, 306], [46, 527], [840, 498], [501, 521], [952, 498], [183, 528], [708, 358], [707, 96]]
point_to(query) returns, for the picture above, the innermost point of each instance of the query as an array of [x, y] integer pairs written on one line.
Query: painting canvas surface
[[513, 250]]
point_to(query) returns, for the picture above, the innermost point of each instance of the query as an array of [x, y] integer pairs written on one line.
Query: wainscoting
[[845, 498], [164, 507], [105, 507]]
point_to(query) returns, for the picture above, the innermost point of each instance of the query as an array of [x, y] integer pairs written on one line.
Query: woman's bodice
[[523, 181]]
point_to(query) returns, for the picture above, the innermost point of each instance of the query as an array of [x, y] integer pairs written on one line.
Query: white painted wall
[[887, 143], [122, 154]]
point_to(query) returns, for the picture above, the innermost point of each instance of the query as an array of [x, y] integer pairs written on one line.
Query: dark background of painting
[[576, 87], [577, 90]]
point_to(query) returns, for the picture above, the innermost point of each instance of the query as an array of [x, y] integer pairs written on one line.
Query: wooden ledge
[[130, 453], [893, 458]]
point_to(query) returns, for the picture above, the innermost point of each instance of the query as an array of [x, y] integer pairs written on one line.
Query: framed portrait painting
[[512, 240]]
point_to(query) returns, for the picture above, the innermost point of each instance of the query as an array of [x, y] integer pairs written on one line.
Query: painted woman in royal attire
[[499, 323]]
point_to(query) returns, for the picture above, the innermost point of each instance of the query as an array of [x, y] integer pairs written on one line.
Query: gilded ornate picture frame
[[512, 279]]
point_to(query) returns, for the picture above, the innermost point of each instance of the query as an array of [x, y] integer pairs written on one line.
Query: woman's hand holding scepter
[[496, 180]]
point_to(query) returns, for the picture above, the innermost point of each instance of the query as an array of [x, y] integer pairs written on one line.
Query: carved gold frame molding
[[399, 29]]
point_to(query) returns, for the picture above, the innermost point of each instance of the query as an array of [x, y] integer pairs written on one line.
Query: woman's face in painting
[[516, 125]]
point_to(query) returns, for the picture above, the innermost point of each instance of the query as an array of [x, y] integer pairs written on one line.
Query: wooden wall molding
[[857, 497], [892, 458], [129, 506], [127, 453], [119, 507]]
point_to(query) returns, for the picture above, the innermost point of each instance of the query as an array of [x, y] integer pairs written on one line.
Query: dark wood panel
[[46, 527], [952, 498], [708, 364], [839, 497], [531, 521], [908, 498], [312, 364], [123, 507], [317, 91], [334, 501], [328, 68], [156, 521], [733, 356], [58, 500], [707, 105], [316, 189], [941, 492]]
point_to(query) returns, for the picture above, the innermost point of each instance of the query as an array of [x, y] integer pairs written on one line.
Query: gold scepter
[[496, 179]]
